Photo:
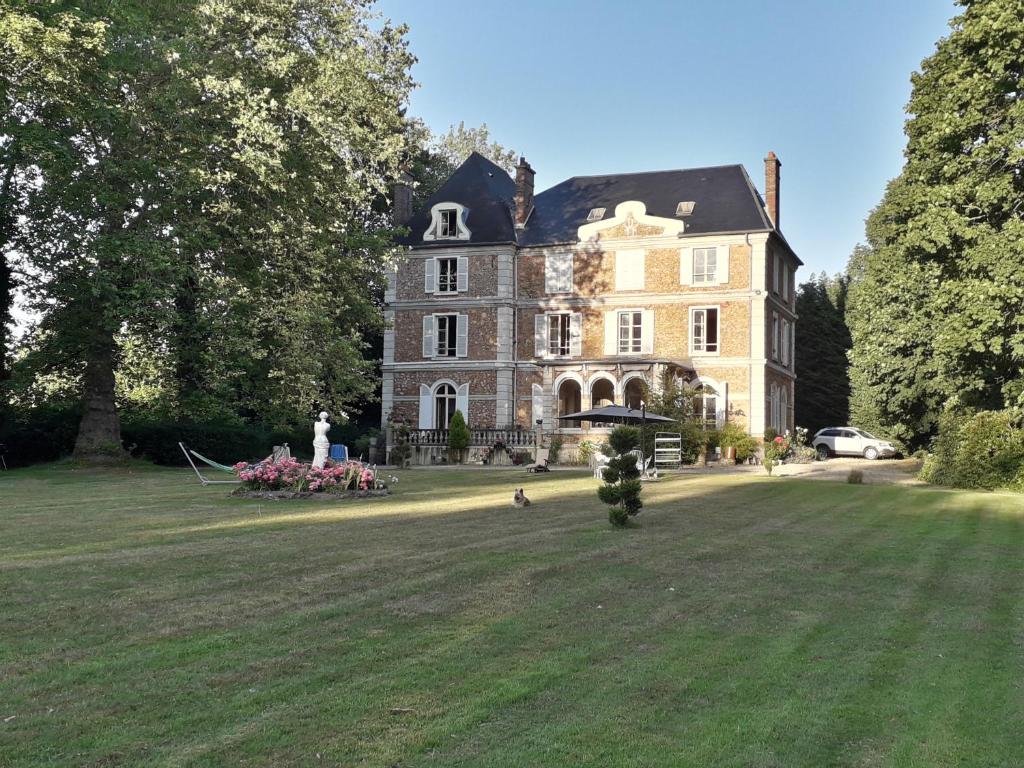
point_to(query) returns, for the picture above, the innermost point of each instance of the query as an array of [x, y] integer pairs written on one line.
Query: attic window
[[685, 209], [596, 214], [449, 223]]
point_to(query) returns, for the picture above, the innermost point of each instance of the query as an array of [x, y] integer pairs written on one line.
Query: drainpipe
[[515, 336]]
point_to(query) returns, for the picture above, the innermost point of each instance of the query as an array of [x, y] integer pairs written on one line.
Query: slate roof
[[486, 190], [725, 201]]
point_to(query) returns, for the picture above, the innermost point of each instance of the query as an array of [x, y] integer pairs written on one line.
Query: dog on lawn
[[519, 499]]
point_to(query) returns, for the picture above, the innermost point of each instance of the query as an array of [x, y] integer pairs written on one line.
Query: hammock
[[214, 464]]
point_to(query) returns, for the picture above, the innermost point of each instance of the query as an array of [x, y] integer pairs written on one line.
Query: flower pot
[[729, 453]]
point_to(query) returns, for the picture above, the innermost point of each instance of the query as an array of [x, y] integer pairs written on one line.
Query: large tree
[[208, 183], [935, 313], [440, 154], [822, 381]]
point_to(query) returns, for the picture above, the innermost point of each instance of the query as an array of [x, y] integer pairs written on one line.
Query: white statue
[[321, 445]]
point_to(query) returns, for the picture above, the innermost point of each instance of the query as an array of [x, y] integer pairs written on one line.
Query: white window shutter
[[550, 273], [537, 404], [647, 332], [462, 278], [426, 408], [576, 334], [540, 335], [428, 335], [429, 280], [611, 333], [462, 401], [723, 404], [722, 255], [462, 337], [566, 271], [776, 277], [629, 270], [686, 266]]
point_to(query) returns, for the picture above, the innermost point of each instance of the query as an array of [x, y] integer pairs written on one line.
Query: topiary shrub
[[624, 439], [621, 489], [458, 437]]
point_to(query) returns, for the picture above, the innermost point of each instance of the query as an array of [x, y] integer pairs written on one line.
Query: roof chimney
[[772, 164], [524, 192], [401, 205]]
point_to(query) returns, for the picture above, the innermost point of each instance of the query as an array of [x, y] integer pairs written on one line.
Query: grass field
[[744, 621]]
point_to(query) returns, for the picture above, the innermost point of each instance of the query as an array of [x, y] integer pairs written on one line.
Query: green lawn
[[743, 622]]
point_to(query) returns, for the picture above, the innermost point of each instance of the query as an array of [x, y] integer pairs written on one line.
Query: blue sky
[[603, 87]]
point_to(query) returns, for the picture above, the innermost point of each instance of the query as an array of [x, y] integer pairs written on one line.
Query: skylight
[[685, 209], [596, 214]]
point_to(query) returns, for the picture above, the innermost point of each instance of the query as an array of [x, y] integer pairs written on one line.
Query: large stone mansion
[[516, 308]]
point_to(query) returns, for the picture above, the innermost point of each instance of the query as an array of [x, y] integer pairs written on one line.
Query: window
[[685, 209], [630, 332], [629, 270], [444, 406], [558, 273], [705, 265], [447, 275], [596, 214], [445, 335], [448, 223], [559, 334], [830, 433], [706, 406], [704, 323]]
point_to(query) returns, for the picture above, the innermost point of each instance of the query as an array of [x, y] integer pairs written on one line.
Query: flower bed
[[291, 479]]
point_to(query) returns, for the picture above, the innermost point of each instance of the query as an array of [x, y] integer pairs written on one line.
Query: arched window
[[444, 405], [706, 405], [570, 397], [633, 393], [602, 393]]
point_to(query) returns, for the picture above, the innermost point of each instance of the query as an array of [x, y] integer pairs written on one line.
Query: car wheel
[[823, 452], [871, 453]]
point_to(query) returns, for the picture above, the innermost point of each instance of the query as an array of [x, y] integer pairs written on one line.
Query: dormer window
[[449, 226], [596, 214], [685, 209], [448, 222]]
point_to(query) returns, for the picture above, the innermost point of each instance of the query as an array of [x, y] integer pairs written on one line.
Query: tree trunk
[[6, 306], [99, 431]]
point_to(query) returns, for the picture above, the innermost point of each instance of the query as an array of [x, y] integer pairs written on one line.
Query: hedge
[[979, 450], [48, 434]]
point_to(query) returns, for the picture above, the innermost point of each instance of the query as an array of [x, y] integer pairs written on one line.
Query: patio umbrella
[[620, 414]]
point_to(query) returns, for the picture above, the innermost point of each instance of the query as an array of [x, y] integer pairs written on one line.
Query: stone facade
[[630, 268]]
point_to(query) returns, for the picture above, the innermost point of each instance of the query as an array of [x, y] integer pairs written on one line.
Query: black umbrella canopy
[[618, 414]]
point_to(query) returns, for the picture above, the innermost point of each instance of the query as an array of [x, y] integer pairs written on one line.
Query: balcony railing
[[478, 438]]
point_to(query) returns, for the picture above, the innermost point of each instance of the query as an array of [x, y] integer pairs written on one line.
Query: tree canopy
[[822, 381], [934, 310], [199, 177]]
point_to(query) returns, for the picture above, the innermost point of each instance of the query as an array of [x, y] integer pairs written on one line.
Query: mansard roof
[[482, 187], [725, 201]]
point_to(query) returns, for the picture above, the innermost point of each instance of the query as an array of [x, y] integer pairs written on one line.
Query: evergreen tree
[[822, 381], [935, 312]]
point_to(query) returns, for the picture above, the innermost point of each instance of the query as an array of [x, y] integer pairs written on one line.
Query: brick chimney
[[772, 164], [401, 205], [524, 192]]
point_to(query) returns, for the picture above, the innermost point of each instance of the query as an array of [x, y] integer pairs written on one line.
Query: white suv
[[850, 441]]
